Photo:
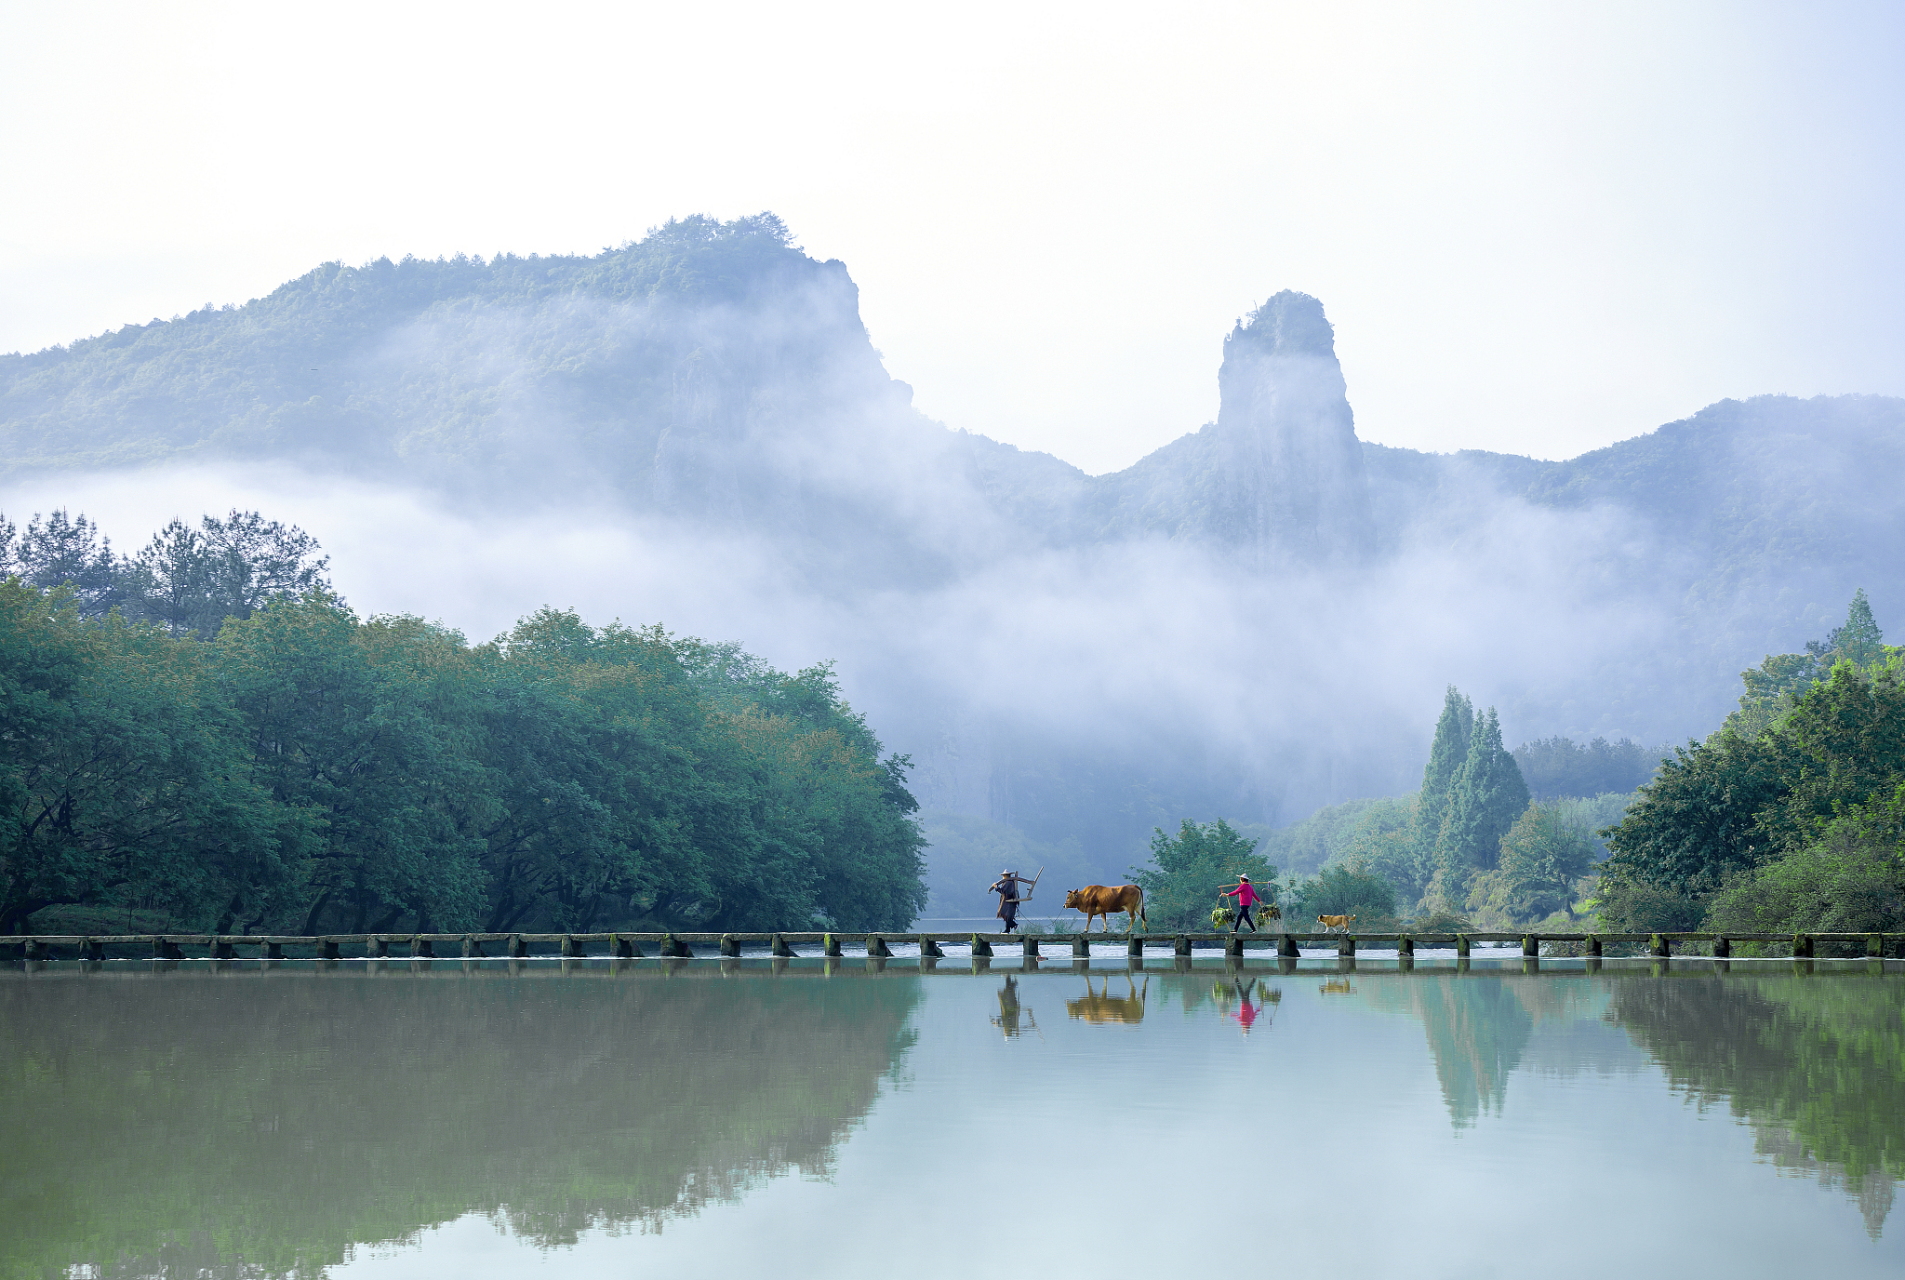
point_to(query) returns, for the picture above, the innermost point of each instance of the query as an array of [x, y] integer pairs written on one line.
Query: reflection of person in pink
[[1246, 894], [1246, 1012]]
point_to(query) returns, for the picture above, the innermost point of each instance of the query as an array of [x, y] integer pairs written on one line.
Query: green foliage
[[1343, 890], [187, 580], [1189, 868], [1488, 794], [1790, 816], [1560, 767], [308, 771], [1385, 845], [1304, 847], [1447, 754], [1850, 879], [1543, 858], [122, 771]]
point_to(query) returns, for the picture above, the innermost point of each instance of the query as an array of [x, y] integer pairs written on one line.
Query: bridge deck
[[634, 945]]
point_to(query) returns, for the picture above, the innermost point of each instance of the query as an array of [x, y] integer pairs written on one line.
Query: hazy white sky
[[1537, 228]]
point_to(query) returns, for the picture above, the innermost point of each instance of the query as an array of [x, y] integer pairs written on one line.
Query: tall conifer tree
[[1860, 638], [1488, 795], [1446, 756]]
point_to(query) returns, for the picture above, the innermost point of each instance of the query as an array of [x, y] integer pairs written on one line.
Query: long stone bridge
[[687, 945]]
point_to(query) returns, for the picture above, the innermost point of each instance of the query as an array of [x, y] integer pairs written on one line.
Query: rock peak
[[1289, 324]]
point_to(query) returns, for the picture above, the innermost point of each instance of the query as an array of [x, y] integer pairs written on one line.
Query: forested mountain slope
[[1255, 619]]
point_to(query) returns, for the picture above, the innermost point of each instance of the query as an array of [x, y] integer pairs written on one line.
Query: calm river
[[708, 1117]]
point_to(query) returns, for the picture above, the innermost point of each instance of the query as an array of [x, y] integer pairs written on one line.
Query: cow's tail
[[1142, 918]]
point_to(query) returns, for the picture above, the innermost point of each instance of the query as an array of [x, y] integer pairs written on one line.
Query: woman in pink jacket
[[1246, 895]]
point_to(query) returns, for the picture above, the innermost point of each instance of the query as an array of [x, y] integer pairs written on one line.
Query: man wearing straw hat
[[1007, 887]]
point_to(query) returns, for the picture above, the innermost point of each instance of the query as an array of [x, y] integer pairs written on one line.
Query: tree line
[[296, 768], [1790, 816], [1478, 842]]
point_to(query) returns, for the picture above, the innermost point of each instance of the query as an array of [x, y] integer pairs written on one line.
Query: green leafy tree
[[1384, 845], [1850, 879], [1543, 857], [1188, 869], [1344, 890], [122, 785]]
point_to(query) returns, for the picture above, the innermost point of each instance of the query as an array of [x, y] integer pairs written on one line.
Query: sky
[[1538, 228]]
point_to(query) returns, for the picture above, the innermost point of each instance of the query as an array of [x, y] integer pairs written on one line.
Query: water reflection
[[262, 1123], [1247, 1003], [1012, 1013], [1813, 1063], [154, 1124], [1103, 1006]]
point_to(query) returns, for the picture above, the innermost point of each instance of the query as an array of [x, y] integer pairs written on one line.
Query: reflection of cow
[[1102, 1006], [1100, 900]]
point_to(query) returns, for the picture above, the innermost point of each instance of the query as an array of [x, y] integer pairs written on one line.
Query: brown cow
[[1336, 924], [1102, 1006], [1100, 900]]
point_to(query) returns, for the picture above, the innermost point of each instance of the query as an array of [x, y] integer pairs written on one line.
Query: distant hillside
[[1255, 619]]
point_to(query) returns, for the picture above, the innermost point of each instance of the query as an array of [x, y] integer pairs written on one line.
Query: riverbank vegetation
[[298, 769], [1791, 816]]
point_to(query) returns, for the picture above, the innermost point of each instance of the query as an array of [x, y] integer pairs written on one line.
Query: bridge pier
[[1405, 948], [222, 949], [1181, 946], [573, 948], [675, 948], [471, 947], [927, 947], [1345, 946], [1030, 943], [1802, 946], [273, 951], [1287, 948], [1722, 948], [877, 948], [378, 947], [831, 945], [1594, 946], [422, 949], [980, 947], [1081, 947], [1234, 947], [780, 949], [327, 949], [518, 947], [1530, 946], [166, 949], [1875, 945], [1659, 947], [1461, 946], [730, 946], [1134, 947]]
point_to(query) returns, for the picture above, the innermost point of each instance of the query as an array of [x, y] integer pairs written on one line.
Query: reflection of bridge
[[628, 946]]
